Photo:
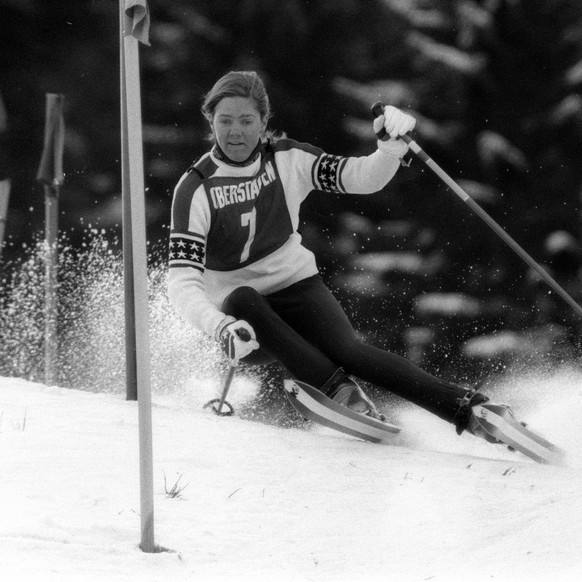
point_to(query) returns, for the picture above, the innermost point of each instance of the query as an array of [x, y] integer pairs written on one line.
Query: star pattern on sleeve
[[327, 173], [187, 250]]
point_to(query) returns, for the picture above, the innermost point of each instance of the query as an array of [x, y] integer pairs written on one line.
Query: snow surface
[[265, 503]]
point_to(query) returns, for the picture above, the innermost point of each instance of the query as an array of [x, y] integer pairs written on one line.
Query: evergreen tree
[[495, 85]]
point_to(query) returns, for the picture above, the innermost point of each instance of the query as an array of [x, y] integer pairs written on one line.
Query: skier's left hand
[[389, 126], [395, 123]]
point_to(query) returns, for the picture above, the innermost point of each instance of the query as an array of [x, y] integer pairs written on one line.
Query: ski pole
[[377, 110], [225, 388], [232, 365]]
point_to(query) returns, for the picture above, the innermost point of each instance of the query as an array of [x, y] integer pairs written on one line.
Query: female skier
[[238, 270]]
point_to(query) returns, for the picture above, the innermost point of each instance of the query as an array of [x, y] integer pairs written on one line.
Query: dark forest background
[[495, 86]]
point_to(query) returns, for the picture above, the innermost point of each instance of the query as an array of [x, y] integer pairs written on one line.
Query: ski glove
[[237, 339], [394, 123]]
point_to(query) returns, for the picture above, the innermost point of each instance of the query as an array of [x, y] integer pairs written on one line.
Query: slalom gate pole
[[50, 174], [51, 270], [378, 109], [134, 22], [5, 171], [4, 197]]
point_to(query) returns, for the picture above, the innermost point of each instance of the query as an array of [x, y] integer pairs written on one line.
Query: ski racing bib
[[249, 218]]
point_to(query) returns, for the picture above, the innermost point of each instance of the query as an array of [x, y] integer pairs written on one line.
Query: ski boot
[[465, 419], [346, 392]]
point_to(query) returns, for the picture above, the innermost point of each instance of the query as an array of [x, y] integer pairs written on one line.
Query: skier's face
[[237, 127]]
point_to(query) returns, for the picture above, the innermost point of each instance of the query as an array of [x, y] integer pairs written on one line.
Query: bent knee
[[240, 301]]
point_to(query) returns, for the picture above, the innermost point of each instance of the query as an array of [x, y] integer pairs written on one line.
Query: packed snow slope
[[239, 500]]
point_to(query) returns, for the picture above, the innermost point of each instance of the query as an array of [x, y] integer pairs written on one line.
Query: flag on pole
[[137, 20], [134, 28]]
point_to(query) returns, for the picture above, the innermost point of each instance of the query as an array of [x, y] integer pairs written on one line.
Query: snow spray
[[187, 366]]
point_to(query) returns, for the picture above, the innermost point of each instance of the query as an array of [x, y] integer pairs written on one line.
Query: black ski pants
[[305, 329]]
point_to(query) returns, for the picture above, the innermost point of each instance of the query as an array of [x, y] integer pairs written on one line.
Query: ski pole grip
[[377, 110], [243, 334]]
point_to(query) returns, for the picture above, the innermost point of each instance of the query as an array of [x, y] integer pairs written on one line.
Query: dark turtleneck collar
[[219, 154]]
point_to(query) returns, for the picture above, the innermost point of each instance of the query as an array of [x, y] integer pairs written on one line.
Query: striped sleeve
[[353, 175], [190, 223], [189, 226], [338, 174], [327, 173], [187, 250], [310, 165]]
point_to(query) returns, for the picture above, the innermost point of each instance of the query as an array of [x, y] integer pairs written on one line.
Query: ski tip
[[558, 458]]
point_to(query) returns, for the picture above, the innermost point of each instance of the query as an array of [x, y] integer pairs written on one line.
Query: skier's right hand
[[238, 339]]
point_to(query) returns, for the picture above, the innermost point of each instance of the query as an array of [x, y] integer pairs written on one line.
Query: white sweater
[[233, 226]]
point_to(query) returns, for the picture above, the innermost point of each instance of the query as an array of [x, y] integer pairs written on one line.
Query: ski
[[500, 423], [315, 406]]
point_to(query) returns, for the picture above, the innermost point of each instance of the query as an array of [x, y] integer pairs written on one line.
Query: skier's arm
[[187, 295], [369, 174], [186, 291], [366, 174]]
